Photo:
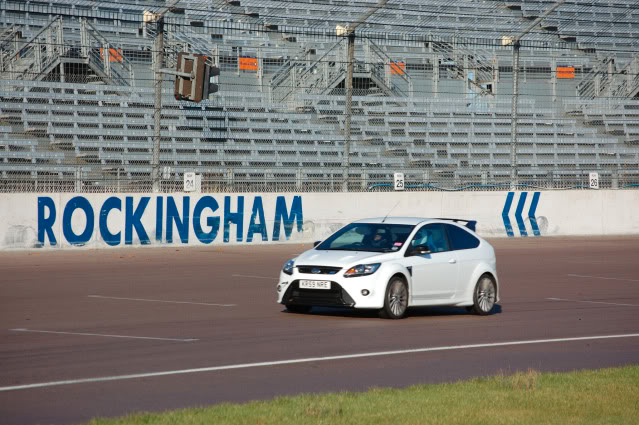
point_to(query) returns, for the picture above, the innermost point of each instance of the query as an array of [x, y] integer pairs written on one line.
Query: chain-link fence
[[442, 104]]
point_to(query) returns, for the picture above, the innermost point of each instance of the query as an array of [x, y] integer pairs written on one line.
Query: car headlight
[[288, 267], [362, 270]]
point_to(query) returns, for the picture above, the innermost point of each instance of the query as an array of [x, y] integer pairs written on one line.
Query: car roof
[[397, 220]]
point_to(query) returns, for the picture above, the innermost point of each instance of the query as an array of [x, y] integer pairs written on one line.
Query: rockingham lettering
[[123, 220]]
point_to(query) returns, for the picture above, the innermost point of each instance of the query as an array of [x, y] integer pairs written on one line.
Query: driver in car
[[380, 239]]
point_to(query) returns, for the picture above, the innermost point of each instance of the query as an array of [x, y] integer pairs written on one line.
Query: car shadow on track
[[414, 312]]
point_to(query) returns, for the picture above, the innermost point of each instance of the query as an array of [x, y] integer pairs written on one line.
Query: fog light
[[279, 288], [365, 292]]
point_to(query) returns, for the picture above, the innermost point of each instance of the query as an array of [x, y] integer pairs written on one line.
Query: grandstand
[[432, 97]]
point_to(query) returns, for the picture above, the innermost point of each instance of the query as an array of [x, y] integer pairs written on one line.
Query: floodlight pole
[[350, 33], [158, 46], [349, 110], [513, 132]]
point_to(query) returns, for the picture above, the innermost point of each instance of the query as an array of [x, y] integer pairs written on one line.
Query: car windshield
[[373, 237]]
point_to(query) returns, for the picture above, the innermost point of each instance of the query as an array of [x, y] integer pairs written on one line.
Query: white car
[[394, 263]]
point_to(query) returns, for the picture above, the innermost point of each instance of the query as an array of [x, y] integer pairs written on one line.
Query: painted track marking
[[592, 302], [311, 359], [605, 278], [256, 277], [159, 301], [103, 335]]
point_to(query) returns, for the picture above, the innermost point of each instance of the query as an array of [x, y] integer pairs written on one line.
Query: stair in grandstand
[[327, 75], [464, 61], [35, 58], [382, 68], [606, 80], [302, 76], [10, 39], [50, 53]]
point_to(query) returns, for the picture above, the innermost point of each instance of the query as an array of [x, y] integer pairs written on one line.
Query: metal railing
[[116, 180]]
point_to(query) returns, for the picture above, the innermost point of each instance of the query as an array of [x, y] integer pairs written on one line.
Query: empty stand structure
[[432, 95]]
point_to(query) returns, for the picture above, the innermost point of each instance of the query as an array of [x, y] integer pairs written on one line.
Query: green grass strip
[[605, 396]]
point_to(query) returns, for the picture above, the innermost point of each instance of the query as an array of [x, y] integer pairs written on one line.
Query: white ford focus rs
[[394, 263]]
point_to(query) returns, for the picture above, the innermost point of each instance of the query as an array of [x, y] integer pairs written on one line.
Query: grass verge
[[605, 396]]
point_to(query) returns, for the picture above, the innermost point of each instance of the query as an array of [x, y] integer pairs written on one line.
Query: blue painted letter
[[133, 220], [213, 222], [112, 203], [73, 204], [257, 227], [45, 224], [172, 215], [237, 218], [282, 214], [159, 211]]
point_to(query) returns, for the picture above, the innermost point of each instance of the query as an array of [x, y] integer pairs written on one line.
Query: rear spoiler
[[471, 224]]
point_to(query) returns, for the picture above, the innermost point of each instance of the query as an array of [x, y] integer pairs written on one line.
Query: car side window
[[460, 238], [433, 236]]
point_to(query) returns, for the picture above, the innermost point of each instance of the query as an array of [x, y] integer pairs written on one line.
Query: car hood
[[316, 257]]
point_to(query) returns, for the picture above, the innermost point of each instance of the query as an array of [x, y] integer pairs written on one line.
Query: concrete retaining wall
[[105, 220]]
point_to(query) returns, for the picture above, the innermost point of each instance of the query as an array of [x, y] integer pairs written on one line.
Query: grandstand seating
[[288, 118]]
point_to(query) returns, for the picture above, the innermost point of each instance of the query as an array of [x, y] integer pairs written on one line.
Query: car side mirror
[[316, 243], [417, 250]]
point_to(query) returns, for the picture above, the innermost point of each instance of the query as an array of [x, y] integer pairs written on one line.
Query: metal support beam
[[349, 110], [513, 128], [157, 112]]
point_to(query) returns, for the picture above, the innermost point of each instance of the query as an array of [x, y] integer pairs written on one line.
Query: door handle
[[452, 261]]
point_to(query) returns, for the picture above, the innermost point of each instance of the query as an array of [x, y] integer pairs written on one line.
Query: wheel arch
[[404, 276], [480, 270]]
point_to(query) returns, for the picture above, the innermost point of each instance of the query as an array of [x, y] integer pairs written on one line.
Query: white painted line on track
[[256, 277], [160, 301], [592, 302], [103, 335], [310, 360], [605, 278]]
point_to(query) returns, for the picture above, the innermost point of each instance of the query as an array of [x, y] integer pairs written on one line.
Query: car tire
[[298, 308], [395, 299], [484, 295]]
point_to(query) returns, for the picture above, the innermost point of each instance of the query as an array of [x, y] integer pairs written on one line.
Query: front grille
[[318, 269], [335, 296]]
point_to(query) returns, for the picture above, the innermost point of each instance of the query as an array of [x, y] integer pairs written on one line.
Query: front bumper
[[336, 296], [344, 292]]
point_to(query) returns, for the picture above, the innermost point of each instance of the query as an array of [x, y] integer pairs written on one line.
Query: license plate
[[315, 284]]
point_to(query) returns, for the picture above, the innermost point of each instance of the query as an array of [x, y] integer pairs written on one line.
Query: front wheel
[[484, 296], [395, 299]]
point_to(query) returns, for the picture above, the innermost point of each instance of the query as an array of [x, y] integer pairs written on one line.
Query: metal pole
[[513, 130], [157, 113], [349, 109]]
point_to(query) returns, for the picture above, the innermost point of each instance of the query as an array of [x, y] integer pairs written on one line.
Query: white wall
[[305, 217]]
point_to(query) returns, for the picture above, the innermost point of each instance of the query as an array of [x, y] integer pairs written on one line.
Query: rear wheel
[[484, 296], [298, 308], [395, 299]]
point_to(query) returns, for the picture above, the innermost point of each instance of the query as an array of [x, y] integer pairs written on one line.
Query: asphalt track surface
[[199, 312]]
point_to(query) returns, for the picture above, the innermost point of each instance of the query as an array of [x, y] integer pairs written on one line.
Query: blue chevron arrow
[[531, 214], [520, 208], [504, 214]]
